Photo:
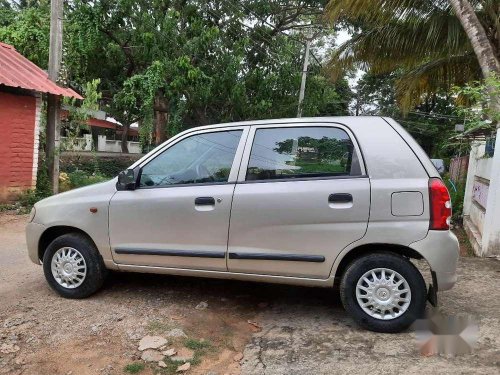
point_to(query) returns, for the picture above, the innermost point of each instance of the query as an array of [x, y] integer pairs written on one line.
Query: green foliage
[[78, 179], [28, 199], [197, 62], [108, 167], [200, 347], [27, 29], [42, 190], [42, 179], [475, 104], [194, 344], [423, 39], [202, 62], [78, 114], [134, 368], [171, 368], [457, 193], [431, 121]]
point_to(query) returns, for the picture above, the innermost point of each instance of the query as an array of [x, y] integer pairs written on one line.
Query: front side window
[[297, 152], [200, 158]]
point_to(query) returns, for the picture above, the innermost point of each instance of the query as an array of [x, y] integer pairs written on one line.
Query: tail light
[[440, 205]]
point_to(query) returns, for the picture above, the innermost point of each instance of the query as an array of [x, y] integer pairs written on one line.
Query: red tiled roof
[[17, 71], [101, 123], [104, 124]]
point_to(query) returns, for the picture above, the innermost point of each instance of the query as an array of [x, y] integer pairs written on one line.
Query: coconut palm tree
[[487, 51], [436, 43]]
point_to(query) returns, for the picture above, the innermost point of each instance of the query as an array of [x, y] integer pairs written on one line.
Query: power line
[[429, 114], [420, 123]]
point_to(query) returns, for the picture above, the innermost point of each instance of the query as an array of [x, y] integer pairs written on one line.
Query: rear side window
[[301, 152]]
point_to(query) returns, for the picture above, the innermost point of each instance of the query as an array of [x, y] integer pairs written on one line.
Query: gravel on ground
[[216, 326]]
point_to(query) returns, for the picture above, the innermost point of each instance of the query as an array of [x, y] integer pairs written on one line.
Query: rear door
[[302, 196]]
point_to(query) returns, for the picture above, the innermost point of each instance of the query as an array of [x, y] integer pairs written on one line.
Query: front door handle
[[340, 198], [204, 201]]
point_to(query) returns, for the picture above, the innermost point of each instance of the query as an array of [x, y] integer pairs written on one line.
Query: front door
[[178, 216], [302, 196]]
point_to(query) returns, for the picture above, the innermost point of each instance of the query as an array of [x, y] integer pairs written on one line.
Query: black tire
[[393, 262], [96, 271]]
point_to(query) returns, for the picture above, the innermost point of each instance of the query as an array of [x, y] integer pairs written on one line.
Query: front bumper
[[33, 233], [441, 250]]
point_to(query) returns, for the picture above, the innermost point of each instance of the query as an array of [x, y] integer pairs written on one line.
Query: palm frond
[[435, 75], [399, 45], [423, 39], [381, 11]]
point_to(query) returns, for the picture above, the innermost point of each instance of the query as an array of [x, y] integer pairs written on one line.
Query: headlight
[[32, 214]]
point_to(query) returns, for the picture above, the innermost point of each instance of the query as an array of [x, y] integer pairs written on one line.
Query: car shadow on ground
[[240, 293]]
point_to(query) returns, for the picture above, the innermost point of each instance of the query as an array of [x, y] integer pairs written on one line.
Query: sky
[[343, 36]]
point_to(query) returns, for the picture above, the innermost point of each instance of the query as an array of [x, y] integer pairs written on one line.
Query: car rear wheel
[[73, 267], [383, 292]]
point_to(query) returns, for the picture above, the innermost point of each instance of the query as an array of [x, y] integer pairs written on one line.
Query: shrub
[[96, 164], [80, 178], [457, 193], [29, 198]]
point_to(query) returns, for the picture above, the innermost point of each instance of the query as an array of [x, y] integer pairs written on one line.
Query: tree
[[172, 65], [431, 121], [486, 53], [424, 39], [26, 27]]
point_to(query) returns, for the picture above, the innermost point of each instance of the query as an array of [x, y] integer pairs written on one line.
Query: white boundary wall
[[482, 200], [103, 144], [109, 145]]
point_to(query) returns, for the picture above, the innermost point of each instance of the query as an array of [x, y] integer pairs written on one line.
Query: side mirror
[[127, 180]]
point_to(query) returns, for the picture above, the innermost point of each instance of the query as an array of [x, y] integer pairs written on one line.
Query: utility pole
[[304, 77], [54, 101]]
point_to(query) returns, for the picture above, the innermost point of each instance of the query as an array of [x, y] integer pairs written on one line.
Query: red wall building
[[21, 86], [19, 129]]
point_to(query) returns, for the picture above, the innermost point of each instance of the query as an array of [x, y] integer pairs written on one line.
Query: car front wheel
[[73, 267], [383, 292]]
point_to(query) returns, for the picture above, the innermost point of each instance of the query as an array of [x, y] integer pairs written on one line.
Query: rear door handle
[[340, 198], [204, 201]]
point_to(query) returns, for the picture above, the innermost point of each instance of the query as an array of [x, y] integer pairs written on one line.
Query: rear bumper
[[33, 233], [441, 250]]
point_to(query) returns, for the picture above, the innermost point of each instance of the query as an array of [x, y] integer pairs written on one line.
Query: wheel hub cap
[[383, 293], [68, 267]]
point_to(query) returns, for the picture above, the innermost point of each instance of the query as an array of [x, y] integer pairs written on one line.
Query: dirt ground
[[276, 329]]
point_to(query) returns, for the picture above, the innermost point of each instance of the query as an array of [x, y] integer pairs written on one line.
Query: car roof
[[293, 120], [363, 128], [352, 121]]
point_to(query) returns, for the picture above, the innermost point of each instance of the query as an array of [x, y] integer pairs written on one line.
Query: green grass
[[157, 326], [171, 366], [134, 368], [465, 245], [200, 348], [194, 344], [7, 207]]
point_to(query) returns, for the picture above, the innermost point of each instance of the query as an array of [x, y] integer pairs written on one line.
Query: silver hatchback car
[[311, 201]]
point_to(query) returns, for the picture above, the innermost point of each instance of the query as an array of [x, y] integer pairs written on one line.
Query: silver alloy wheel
[[68, 267], [383, 293]]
